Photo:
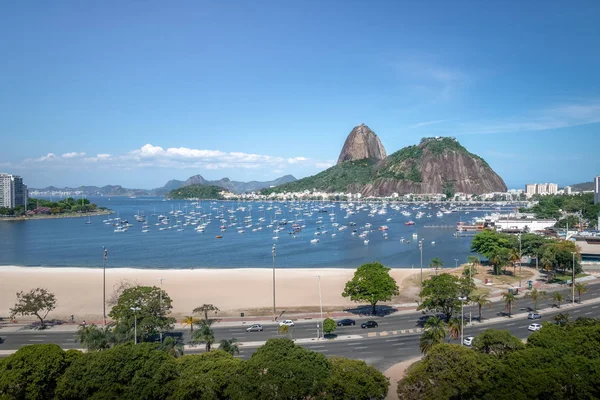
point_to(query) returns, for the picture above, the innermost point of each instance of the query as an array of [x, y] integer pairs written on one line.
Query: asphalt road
[[380, 351]]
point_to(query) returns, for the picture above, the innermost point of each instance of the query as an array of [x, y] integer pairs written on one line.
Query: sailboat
[[89, 221]]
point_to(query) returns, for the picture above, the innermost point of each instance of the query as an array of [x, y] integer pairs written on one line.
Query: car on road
[[533, 315], [346, 322], [255, 328], [468, 340], [287, 322], [534, 327], [1, 340], [369, 324]]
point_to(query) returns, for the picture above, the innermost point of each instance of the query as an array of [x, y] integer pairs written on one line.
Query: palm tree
[[514, 256], [482, 300], [172, 346], [558, 297], [435, 332], [436, 263], [535, 296], [95, 338], [204, 335], [495, 260], [454, 328], [509, 299], [581, 288], [283, 330], [561, 319], [190, 320], [205, 308], [229, 346]]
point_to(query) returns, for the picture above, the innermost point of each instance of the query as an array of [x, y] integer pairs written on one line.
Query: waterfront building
[[13, 192]]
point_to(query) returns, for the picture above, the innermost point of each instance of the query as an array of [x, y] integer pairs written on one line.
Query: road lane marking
[[360, 348], [397, 344], [36, 340], [316, 347], [366, 352], [390, 340], [587, 313], [514, 323], [576, 310], [595, 306]]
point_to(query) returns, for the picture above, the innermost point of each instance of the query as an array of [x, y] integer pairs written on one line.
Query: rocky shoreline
[[57, 216]]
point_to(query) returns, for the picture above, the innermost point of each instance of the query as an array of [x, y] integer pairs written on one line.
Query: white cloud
[[153, 156], [439, 121], [73, 154], [556, 117]]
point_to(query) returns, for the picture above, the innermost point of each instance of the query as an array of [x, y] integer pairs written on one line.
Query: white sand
[[79, 290]]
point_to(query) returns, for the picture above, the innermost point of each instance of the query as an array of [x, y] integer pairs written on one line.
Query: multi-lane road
[[381, 350]]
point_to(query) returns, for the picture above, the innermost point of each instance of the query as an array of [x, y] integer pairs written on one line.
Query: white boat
[[120, 229], [366, 241], [314, 241], [145, 230], [414, 235]]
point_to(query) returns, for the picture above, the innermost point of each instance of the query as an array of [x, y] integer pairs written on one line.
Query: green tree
[[467, 286], [205, 335], [94, 338], [580, 288], [32, 371], [38, 302], [481, 300], [496, 342], [191, 321], [436, 264], [283, 370], [354, 379], [329, 326], [207, 376], [536, 295], [205, 309], [371, 283], [558, 297], [448, 371], [435, 331], [514, 256], [561, 319], [283, 330], [173, 346], [509, 298], [440, 294], [152, 317], [499, 259], [488, 242], [455, 328], [123, 372], [229, 346]]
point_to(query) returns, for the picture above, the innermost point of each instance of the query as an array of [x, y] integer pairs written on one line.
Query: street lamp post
[[320, 305], [135, 310], [456, 263], [160, 304], [573, 279], [421, 249], [104, 283], [273, 253], [520, 264], [462, 319]]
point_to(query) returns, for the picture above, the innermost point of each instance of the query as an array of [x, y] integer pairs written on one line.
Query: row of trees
[[502, 250], [42, 206], [558, 362], [278, 370], [553, 206]]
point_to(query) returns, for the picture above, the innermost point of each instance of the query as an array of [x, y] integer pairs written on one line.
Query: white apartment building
[[597, 190], [530, 189], [568, 190], [541, 188], [13, 192]]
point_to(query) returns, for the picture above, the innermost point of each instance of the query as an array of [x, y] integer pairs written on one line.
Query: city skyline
[[253, 93]]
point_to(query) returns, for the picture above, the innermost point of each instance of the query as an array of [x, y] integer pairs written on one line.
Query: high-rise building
[[541, 188], [530, 189], [13, 192], [568, 190], [552, 188], [597, 190]]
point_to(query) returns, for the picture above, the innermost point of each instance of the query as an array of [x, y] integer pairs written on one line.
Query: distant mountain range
[[582, 187], [117, 190]]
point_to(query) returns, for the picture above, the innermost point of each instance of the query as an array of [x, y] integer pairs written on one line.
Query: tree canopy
[[440, 294], [38, 302], [371, 283]]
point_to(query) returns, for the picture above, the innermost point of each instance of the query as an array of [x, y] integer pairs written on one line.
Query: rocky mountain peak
[[362, 143]]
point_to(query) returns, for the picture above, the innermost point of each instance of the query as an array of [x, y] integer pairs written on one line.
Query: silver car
[[255, 328]]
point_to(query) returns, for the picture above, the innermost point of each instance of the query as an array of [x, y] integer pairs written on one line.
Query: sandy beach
[[79, 290]]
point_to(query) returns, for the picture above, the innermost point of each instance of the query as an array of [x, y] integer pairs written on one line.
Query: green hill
[[196, 192]]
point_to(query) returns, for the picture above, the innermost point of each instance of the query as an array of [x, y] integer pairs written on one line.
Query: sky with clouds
[[137, 93]]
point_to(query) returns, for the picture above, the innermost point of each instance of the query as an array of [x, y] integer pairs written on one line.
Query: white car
[[468, 340], [534, 327], [287, 322]]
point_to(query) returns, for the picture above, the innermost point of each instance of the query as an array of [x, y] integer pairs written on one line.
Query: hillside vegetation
[[196, 192]]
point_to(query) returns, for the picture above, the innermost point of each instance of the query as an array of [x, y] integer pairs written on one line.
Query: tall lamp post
[[456, 263], [421, 249], [104, 283], [520, 264], [462, 319], [273, 253], [573, 279], [160, 304], [135, 310], [320, 305]]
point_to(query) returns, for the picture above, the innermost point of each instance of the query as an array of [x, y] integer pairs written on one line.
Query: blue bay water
[[72, 242]]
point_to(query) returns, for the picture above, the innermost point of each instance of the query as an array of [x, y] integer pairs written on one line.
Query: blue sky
[[137, 93]]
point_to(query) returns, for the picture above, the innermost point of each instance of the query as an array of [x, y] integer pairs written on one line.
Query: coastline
[[57, 216], [79, 290]]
